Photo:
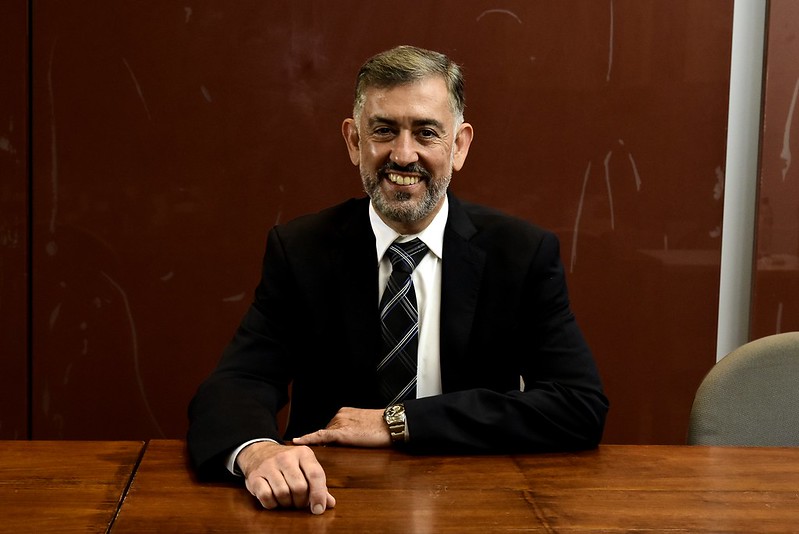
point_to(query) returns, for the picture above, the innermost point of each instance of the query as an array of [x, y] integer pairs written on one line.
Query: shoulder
[[332, 217], [494, 226], [327, 223], [509, 244]]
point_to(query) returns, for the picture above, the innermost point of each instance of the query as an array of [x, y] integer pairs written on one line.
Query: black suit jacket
[[314, 323]]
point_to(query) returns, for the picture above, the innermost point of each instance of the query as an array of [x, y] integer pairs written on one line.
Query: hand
[[353, 427], [285, 476]]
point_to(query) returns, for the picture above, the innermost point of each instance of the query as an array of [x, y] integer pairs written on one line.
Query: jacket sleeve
[[562, 406], [240, 400]]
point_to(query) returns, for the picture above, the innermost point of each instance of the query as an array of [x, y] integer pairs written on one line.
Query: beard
[[401, 207]]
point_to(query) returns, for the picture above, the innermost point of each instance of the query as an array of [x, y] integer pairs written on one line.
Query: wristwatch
[[394, 416]]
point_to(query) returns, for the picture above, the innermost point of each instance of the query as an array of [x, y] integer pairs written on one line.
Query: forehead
[[426, 98]]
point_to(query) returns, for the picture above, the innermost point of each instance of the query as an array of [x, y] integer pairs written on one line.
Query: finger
[[262, 491], [318, 495], [330, 502], [280, 490], [320, 437], [298, 487]]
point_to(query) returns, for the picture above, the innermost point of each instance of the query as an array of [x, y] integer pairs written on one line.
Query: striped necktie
[[399, 323]]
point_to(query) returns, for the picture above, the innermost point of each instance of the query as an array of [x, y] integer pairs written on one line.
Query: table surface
[[612, 489], [63, 486]]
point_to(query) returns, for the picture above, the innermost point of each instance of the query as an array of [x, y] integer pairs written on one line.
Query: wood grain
[[63, 486], [613, 489]]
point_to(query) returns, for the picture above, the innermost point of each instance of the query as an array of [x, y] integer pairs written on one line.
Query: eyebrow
[[416, 123]]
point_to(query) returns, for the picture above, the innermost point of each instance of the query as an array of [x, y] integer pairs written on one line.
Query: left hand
[[354, 427]]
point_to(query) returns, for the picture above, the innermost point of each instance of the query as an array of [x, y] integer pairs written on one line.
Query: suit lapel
[[462, 272], [355, 265]]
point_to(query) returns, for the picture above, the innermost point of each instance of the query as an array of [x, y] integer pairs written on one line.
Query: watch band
[[394, 416]]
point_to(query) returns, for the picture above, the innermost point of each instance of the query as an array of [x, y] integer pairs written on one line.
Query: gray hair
[[406, 64]]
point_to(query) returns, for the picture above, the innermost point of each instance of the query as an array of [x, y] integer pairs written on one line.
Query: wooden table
[[63, 486], [612, 489]]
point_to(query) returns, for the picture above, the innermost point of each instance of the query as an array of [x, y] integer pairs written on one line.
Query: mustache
[[415, 168]]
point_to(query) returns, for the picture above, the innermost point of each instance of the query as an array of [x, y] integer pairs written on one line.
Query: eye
[[382, 131], [427, 133]]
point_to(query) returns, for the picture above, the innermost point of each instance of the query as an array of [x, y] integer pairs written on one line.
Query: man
[[488, 290]]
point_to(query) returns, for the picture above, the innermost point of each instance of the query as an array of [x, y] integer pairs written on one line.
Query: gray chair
[[751, 396]]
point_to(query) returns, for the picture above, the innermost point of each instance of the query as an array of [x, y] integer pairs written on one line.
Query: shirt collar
[[432, 236]]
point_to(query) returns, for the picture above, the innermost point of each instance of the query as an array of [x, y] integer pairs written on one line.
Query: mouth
[[399, 179], [408, 175]]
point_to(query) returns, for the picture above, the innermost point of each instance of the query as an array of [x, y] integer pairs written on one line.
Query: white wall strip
[[740, 185]]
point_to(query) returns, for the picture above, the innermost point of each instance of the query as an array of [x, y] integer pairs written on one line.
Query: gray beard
[[402, 208]]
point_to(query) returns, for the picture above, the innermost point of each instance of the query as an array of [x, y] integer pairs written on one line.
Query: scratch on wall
[[576, 232], [51, 249], [610, 44], [634, 168], [135, 349], [610, 190], [786, 137], [54, 316], [779, 319], [138, 88], [499, 11]]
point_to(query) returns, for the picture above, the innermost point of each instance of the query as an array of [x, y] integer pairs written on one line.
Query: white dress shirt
[[427, 283]]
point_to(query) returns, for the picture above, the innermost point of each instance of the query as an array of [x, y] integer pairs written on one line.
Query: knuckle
[[283, 498], [299, 487]]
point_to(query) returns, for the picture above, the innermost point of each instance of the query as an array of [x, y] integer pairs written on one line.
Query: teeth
[[403, 180]]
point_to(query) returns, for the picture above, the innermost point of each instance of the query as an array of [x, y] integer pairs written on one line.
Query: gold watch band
[[394, 416]]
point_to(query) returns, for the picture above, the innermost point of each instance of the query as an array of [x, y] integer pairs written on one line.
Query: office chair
[[751, 396]]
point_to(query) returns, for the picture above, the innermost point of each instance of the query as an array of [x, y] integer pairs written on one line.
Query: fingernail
[[317, 509]]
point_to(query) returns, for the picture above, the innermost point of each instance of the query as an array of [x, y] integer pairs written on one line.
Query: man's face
[[406, 145]]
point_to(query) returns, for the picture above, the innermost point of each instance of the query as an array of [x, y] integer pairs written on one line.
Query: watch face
[[394, 413]]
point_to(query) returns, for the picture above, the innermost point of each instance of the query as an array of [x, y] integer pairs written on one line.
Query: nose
[[403, 149]]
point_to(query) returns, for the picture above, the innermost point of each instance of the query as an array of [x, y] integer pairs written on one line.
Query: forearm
[[223, 415], [547, 417]]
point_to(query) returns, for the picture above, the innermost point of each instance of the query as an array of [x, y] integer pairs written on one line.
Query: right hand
[[285, 476]]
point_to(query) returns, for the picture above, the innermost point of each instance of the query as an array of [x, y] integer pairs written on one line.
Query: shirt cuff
[[232, 465]]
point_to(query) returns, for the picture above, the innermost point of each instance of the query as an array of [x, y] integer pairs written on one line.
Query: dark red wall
[[775, 304], [169, 136], [14, 216]]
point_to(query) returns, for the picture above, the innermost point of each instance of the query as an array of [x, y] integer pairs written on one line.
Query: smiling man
[[406, 319], [407, 140]]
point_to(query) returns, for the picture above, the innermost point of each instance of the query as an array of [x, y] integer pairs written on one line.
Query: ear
[[350, 132], [463, 139]]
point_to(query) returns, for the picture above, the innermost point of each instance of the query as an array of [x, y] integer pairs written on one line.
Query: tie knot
[[406, 256]]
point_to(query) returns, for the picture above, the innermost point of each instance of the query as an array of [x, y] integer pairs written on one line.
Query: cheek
[[372, 152], [441, 163]]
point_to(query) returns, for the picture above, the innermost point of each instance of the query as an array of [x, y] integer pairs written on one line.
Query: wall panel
[[169, 136], [14, 220]]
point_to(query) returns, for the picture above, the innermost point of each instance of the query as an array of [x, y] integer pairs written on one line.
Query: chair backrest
[[751, 396]]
